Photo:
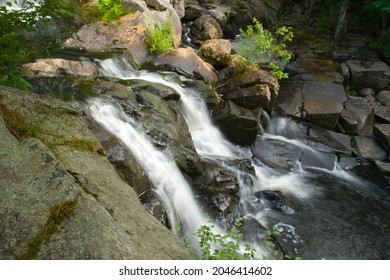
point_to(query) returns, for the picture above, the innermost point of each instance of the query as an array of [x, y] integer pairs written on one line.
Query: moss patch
[[58, 214]]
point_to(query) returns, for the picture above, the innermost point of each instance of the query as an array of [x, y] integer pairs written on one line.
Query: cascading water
[[304, 186]]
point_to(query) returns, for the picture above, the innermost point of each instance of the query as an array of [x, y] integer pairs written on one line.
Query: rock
[[361, 112], [67, 202], [217, 52], [382, 133], [186, 62], [310, 69], [372, 74], [249, 87], [366, 92], [251, 97], [284, 155], [382, 113], [368, 148], [130, 31], [217, 189], [318, 102], [205, 28], [58, 67], [383, 98], [344, 71], [238, 124], [347, 123], [384, 167], [209, 95], [192, 12]]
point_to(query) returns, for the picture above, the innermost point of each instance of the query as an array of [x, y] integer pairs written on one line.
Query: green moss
[[58, 214]]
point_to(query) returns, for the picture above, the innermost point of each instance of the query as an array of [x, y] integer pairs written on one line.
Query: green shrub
[[159, 38], [260, 47], [110, 9]]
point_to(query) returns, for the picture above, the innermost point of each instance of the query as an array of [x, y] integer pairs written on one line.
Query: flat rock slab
[[368, 148]]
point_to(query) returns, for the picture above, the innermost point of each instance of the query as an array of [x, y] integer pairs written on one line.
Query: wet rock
[[372, 74], [217, 52], [57, 67], [218, 189], [358, 112], [205, 28], [209, 95], [238, 124], [382, 133], [285, 155], [368, 148], [383, 98], [186, 62], [290, 101]]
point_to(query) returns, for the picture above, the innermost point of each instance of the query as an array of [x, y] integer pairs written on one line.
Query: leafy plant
[[159, 38], [260, 46], [110, 9], [227, 246]]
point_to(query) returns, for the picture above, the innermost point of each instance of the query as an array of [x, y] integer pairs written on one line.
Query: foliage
[[227, 245], [110, 9], [159, 38], [378, 5], [29, 32], [260, 46]]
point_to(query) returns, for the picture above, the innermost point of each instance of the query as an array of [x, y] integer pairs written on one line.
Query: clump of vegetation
[[58, 214], [110, 9], [230, 245], [260, 47], [159, 38]]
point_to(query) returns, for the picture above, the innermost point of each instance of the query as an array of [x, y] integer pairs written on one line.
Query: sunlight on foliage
[[260, 46], [159, 38], [110, 9]]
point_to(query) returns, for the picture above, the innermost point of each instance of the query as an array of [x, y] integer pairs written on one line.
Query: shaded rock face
[[60, 196], [238, 124], [382, 133], [372, 74], [368, 148], [357, 117], [218, 188]]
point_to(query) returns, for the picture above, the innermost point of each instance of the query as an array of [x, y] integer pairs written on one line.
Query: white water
[[169, 184]]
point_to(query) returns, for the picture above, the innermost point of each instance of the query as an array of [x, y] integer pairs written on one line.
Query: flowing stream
[[314, 216]]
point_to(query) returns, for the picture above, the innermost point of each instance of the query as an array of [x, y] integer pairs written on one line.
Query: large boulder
[[383, 98], [205, 28], [58, 67], [60, 196], [372, 74], [358, 116], [186, 62], [238, 124], [247, 86], [129, 32], [217, 52], [318, 102], [368, 148]]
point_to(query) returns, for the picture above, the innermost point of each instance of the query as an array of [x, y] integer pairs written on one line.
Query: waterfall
[[211, 145], [169, 183]]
